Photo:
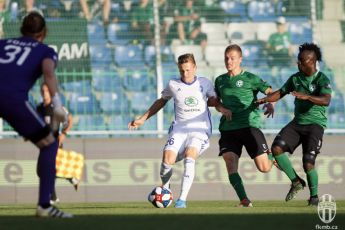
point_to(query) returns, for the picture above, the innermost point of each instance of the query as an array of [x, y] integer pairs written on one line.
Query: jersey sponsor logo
[[239, 83], [191, 101], [312, 87]]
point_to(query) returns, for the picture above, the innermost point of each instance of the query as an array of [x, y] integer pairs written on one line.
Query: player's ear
[[42, 35]]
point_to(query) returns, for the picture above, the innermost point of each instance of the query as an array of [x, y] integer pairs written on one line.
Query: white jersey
[[190, 104]]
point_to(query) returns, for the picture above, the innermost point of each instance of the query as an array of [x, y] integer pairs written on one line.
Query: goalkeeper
[[45, 109], [22, 61]]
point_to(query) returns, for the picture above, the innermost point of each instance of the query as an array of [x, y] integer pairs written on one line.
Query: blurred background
[[117, 56]]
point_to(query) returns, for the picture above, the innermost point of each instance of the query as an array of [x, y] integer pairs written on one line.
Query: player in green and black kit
[[312, 91], [237, 89]]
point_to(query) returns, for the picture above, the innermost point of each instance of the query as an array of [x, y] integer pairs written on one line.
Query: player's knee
[[170, 157], [264, 168], [279, 146], [231, 162], [308, 161]]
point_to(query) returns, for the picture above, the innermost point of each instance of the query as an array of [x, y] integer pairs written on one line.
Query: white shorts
[[178, 142]]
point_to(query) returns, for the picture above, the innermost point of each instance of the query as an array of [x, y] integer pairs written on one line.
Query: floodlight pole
[[159, 74]]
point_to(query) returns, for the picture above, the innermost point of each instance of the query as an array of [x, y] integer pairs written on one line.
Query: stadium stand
[[137, 79], [122, 76], [115, 102], [261, 11], [83, 103], [90, 122]]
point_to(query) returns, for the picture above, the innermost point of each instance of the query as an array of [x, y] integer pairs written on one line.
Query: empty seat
[[114, 102], [100, 55], [264, 72], [235, 10], [83, 104], [90, 122], [216, 33], [118, 122], [106, 80], [150, 55], [137, 79], [261, 11], [253, 54], [117, 33], [129, 55], [214, 55], [96, 34], [81, 87], [170, 71], [240, 32], [300, 31], [140, 101]]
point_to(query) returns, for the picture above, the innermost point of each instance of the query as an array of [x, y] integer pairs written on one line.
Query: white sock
[[188, 177], [165, 174]]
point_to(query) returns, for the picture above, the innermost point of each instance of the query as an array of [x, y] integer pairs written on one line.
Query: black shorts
[[251, 138], [310, 136]]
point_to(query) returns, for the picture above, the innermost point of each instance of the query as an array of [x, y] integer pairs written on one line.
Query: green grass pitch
[[199, 215]]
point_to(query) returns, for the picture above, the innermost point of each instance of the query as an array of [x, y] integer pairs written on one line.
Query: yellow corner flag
[[69, 164]]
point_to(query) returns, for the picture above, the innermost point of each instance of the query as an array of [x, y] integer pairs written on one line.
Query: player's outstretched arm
[[272, 97], [154, 108], [324, 99]]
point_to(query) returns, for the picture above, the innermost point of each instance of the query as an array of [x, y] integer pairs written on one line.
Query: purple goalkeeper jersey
[[21, 65]]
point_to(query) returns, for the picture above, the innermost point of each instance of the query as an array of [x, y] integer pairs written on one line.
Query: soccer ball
[[160, 197]]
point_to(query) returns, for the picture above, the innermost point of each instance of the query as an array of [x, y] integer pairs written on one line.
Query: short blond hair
[[184, 58]]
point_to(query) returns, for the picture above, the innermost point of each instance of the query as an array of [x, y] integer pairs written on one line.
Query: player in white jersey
[[190, 131]]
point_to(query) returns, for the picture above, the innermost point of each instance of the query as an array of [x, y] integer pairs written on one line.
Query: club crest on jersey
[[239, 83], [264, 146], [312, 87], [191, 101]]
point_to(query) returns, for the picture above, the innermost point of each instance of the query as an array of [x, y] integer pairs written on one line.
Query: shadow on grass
[[174, 221]]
